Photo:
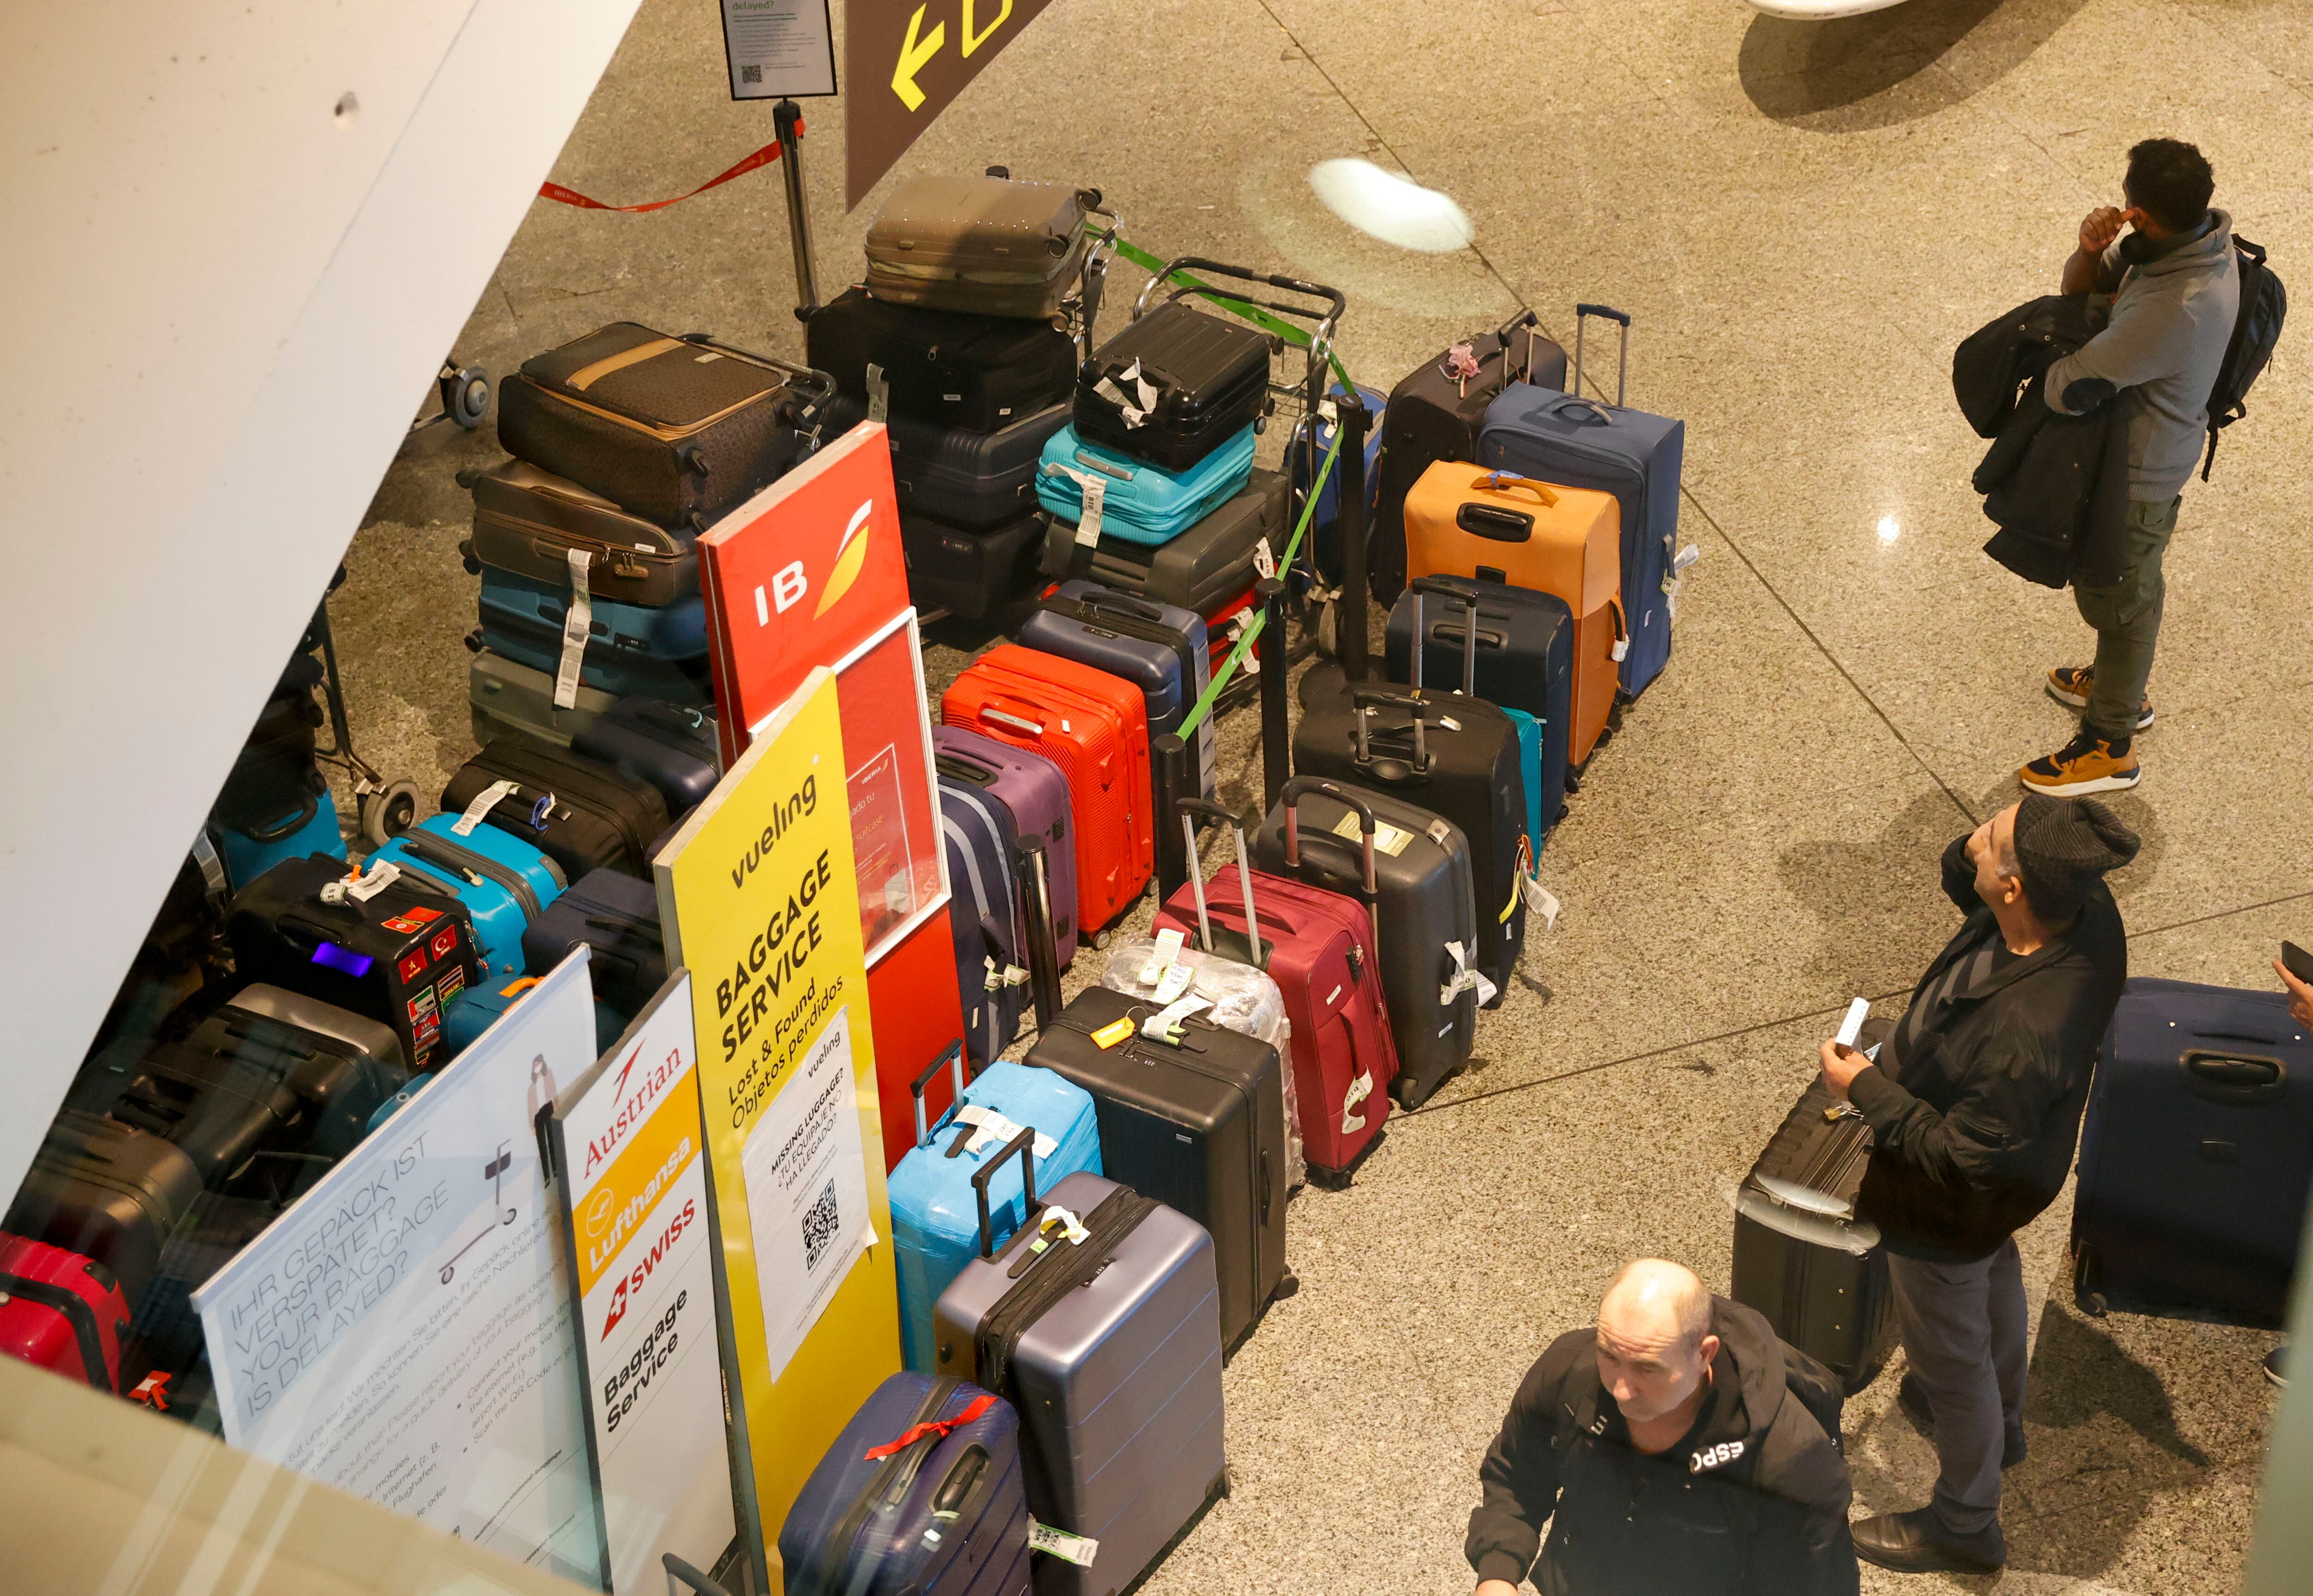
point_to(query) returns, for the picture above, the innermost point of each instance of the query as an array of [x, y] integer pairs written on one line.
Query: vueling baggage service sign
[[755, 891], [903, 61]]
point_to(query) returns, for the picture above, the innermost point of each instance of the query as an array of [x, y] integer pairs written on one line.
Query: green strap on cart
[[1277, 326]]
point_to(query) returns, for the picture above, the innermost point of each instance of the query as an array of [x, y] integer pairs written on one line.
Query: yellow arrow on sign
[[914, 58]]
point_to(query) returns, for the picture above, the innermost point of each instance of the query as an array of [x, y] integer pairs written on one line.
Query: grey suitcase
[[1111, 1351], [989, 245], [506, 698], [967, 479], [1203, 569], [1413, 867]]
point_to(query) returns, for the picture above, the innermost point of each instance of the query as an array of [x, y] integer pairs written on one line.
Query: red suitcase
[[1317, 946], [61, 1312], [1095, 727]]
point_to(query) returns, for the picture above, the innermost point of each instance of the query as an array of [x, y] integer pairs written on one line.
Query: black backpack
[[2263, 306]]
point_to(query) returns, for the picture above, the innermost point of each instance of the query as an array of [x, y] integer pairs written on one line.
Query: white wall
[[220, 301]]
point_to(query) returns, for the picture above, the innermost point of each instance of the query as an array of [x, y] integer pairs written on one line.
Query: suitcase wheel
[[1288, 1285], [388, 812], [466, 396], [2086, 1278]]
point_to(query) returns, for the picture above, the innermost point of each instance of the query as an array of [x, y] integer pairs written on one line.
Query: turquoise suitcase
[[249, 856], [1140, 502], [504, 881]]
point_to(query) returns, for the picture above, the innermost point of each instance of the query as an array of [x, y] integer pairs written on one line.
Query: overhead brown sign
[[904, 61]]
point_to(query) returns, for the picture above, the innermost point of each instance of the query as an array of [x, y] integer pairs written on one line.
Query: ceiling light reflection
[[1391, 206]]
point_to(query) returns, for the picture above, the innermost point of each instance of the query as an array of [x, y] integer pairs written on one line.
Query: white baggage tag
[[1069, 1548], [1449, 723], [1675, 578], [879, 395], [1165, 1026], [578, 621], [1174, 982], [991, 1129], [991, 981], [1014, 976], [1168, 949], [484, 802], [1540, 900], [1264, 560], [1359, 1090], [1464, 979], [360, 889], [1096, 495]]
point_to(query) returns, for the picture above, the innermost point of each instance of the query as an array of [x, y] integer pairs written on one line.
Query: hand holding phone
[[2297, 961]]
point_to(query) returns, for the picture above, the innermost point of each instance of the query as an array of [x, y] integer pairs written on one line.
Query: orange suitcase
[[1461, 521], [1095, 727]]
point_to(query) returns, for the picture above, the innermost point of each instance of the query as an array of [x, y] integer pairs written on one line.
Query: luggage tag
[[1264, 561], [1055, 1218], [1464, 979], [363, 888], [1111, 1033], [1078, 1550], [1095, 497], [1168, 949], [1677, 575], [1540, 900], [1164, 1025], [991, 1129], [1359, 1090], [578, 621], [879, 395], [1173, 983], [484, 802], [1011, 975]]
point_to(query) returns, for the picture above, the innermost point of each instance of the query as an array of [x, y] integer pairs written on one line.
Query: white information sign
[[779, 48], [403, 1331], [635, 1179], [805, 1169]]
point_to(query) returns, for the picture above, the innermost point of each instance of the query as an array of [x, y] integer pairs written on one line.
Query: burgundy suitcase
[[1033, 788], [61, 1312], [1318, 947]]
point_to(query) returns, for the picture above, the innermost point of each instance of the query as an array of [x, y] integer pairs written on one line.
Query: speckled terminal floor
[[1802, 220]]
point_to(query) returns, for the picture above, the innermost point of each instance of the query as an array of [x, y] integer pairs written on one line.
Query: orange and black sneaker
[[2087, 764], [2071, 684]]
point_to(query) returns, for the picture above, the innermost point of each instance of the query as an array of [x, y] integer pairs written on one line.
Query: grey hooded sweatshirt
[[2171, 319]]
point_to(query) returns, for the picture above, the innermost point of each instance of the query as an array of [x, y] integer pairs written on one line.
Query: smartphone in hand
[[2297, 961]]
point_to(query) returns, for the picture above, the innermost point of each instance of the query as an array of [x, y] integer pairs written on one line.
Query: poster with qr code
[[779, 48], [806, 1175]]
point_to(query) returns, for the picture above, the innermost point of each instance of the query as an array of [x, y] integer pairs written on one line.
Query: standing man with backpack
[[2176, 298], [1679, 1446]]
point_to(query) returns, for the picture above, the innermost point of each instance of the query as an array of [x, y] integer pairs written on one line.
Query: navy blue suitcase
[[631, 649], [1325, 548], [971, 480], [923, 1491], [2196, 1153], [1524, 661], [669, 745], [1162, 649], [1576, 442], [616, 914], [991, 965]]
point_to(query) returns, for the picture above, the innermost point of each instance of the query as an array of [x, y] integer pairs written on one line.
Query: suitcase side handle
[[2235, 1080], [1288, 798], [954, 1060], [1017, 722], [1187, 807], [1025, 1145]]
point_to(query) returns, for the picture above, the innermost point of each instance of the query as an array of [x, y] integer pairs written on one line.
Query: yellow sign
[[756, 892]]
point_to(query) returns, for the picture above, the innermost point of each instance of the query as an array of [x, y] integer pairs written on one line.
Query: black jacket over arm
[[1977, 1124]]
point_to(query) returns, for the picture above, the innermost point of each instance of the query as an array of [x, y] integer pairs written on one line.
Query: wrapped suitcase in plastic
[[987, 246], [107, 1192], [978, 373], [670, 746], [582, 815], [1208, 568], [1033, 788], [1160, 648], [529, 523], [1104, 1335], [1174, 385], [922, 1492], [61, 1312], [1324, 524], [1103, 492], [968, 479], [954, 1178], [504, 883]]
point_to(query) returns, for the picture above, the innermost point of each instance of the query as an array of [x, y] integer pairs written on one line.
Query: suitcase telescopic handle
[[1532, 323], [1363, 701], [1290, 795], [1025, 1145], [952, 1059], [1214, 812], [1439, 587], [1582, 314]]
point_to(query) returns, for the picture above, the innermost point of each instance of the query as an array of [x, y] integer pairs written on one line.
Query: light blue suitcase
[[477, 1008], [247, 856], [503, 880], [936, 1213], [1324, 545], [1141, 504], [1529, 736]]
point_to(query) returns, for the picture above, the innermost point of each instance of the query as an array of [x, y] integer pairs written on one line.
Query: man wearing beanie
[[1974, 1108]]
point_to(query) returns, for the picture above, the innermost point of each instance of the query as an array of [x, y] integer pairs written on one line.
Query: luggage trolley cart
[[387, 809]]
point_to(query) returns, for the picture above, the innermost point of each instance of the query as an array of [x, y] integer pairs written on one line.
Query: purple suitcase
[[1117, 1379], [1033, 789]]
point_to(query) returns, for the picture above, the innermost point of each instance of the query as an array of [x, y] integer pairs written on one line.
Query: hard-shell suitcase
[[504, 881], [630, 650], [582, 815], [1318, 947], [274, 773], [1800, 1256], [1567, 438], [616, 915], [2196, 1153], [1324, 524], [1029, 785], [938, 1194], [670, 746], [971, 479], [1174, 385], [1411, 869], [1195, 1119], [1160, 648], [987, 246], [218, 1112], [922, 1492], [510, 700], [677, 431], [338, 1065], [1456, 757], [61, 1312], [1435, 414], [1524, 661], [1095, 727], [977, 373], [530, 521], [991, 960], [1237, 996], [311, 827], [1205, 568], [974, 574], [107, 1192], [1110, 1350], [477, 1008], [1496, 526], [1140, 502], [399, 954]]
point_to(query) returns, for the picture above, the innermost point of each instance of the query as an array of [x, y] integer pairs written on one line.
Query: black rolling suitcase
[[1433, 414], [2196, 1154], [341, 1066], [976, 373], [1800, 1257], [615, 916], [968, 479], [583, 815], [1198, 1124], [1174, 386], [1412, 869], [1454, 757], [677, 431], [1203, 569], [1525, 661], [668, 746], [108, 1191], [218, 1112], [973, 575]]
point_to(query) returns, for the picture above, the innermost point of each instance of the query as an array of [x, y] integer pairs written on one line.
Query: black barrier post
[[1349, 524], [1043, 946], [787, 121], [1276, 753], [1171, 774]]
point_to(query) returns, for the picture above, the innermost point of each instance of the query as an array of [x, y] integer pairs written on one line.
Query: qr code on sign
[[751, 75], [819, 1224]]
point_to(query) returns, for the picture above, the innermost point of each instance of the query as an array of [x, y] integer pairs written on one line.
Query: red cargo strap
[[941, 1427], [762, 157]]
